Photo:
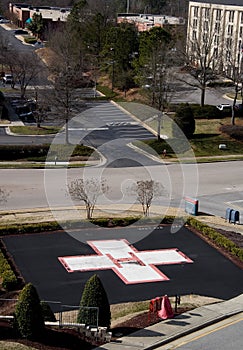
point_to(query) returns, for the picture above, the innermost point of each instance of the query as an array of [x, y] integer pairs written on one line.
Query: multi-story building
[[215, 33]]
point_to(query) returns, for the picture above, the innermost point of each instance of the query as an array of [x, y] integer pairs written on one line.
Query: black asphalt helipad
[[36, 256]]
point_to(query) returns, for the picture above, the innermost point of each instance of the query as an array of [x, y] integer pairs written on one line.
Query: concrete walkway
[[166, 331]]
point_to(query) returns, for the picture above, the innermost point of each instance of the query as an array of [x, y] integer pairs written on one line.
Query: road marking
[[131, 265]]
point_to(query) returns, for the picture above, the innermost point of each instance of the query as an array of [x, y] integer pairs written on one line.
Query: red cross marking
[[131, 265]]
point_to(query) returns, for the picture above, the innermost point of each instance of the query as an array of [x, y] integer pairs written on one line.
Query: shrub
[[30, 40], [219, 239], [47, 312], [184, 118], [28, 314], [234, 131], [94, 295], [205, 112], [9, 280]]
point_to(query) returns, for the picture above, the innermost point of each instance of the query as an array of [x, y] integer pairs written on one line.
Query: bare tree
[[146, 191], [88, 191], [202, 53], [234, 71], [25, 68], [66, 67]]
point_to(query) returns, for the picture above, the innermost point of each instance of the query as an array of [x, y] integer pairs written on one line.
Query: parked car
[[7, 79], [4, 20], [224, 107]]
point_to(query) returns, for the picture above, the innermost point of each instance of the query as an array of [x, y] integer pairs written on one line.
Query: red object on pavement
[[166, 309]]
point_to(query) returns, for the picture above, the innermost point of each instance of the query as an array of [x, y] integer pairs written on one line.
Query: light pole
[[160, 115], [113, 70]]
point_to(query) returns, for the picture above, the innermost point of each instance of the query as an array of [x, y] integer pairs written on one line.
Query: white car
[[224, 107], [4, 20], [8, 79]]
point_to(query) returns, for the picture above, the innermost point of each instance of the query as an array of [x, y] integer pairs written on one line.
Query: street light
[[113, 70]]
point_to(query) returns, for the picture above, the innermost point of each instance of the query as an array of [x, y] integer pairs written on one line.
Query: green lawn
[[205, 141]]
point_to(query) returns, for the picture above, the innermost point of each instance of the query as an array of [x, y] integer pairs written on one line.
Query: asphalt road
[[216, 186], [222, 335], [209, 273]]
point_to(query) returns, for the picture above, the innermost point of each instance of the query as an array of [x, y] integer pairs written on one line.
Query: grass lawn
[[205, 141], [33, 130]]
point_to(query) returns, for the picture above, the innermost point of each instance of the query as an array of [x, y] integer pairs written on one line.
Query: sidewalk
[[166, 331]]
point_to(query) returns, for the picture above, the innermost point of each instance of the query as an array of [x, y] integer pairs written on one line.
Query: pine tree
[[94, 295], [28, 313]]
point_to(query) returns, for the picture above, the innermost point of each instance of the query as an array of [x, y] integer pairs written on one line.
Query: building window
[[215, 53], [228, 55], [216, 40], [205, 37], [241, 17], [241, 31], [229, 43], [194, 47], [217, 27], [205, 26], [230, 29], [195, 23], [194, 35], [195, 12], [240, 47], [206, 12], [231, 16], [218, 15]]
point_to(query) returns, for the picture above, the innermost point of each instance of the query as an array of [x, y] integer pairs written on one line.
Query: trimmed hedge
[[102, 222], [9, 280], [216, 237], [39, 152], [205, 112]]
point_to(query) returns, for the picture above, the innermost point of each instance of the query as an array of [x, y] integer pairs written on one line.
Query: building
[[145, 22], [51, 16], [216, 28]]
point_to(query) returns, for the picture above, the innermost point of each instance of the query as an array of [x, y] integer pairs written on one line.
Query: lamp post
[[160, 115], [113, 70]]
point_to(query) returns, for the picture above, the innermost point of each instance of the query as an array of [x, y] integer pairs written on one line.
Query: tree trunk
[[66, 132], [88, 212], [233, 116], [203, 96]]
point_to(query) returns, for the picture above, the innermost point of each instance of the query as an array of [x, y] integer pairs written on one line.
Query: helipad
[[131, 265]]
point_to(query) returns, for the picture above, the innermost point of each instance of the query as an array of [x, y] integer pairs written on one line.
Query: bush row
[[205, 112], [216, 237], [102, 222], [9, 280], [39, 152]]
